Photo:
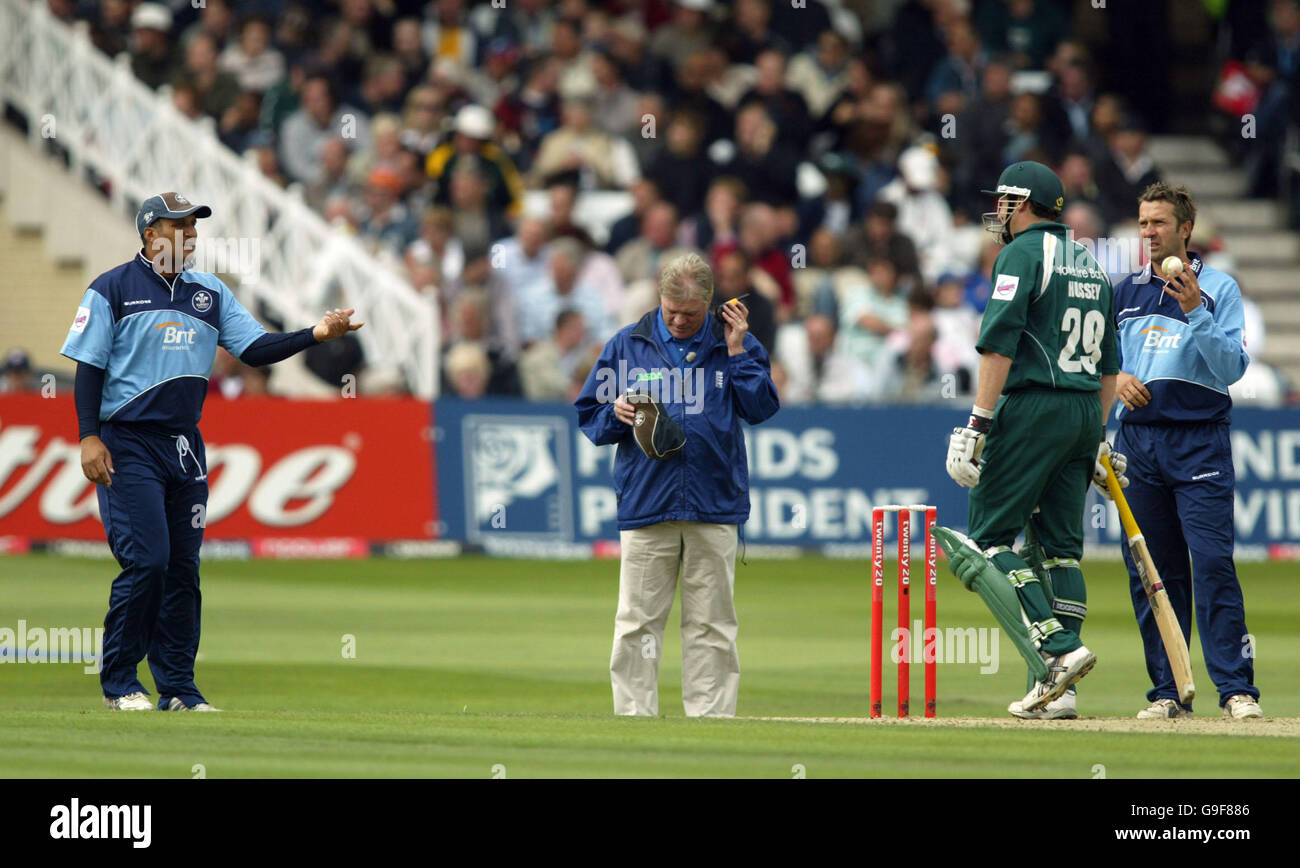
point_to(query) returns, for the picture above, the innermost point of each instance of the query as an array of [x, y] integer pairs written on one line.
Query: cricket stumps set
[[929, 640]]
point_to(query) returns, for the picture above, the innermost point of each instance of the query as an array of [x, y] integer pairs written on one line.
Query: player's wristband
[[980, 419]]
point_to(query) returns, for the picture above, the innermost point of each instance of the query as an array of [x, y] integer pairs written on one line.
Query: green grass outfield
[[469, 664]]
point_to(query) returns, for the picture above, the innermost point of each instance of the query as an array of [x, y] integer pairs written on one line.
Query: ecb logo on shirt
[[201, 301]]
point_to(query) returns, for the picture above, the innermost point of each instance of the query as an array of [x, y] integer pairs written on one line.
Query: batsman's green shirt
[[1050, 313]]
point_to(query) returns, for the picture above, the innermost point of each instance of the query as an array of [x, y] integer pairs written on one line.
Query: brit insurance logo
[[1159, 340], [517, 479], [202, 300], [176, 336]]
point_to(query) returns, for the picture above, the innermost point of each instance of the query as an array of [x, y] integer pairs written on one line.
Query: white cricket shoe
[[1065, 708], [177, 705], [1062, 671], [1241, 706], [131, 702], [1163, 709]]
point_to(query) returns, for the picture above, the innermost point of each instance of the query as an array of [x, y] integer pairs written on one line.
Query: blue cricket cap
[[170, 205]]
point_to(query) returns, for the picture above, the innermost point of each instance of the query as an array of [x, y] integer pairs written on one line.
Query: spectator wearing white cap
[[475, 129], [154, 58], [923, 213]]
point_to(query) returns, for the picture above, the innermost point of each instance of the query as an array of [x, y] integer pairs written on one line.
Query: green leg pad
[[978, 574]]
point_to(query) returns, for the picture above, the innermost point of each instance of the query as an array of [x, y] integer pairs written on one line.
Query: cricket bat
[[1170, 633]]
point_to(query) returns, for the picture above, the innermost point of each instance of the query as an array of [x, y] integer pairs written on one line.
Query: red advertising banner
[[359, 470]]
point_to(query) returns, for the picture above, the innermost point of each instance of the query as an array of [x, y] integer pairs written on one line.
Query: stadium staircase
[[1253, 230], [56, 235]]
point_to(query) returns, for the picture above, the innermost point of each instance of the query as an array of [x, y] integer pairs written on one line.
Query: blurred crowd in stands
[[531, 164]]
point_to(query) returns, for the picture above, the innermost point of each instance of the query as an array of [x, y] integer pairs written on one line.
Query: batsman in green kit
[[1047, 377]]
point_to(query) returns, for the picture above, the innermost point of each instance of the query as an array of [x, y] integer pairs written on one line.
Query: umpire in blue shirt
[[1180, 336], [144, 339], [671, 390]]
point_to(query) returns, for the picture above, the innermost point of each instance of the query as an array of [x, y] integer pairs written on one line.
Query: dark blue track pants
[[1181, 493], [154, 514]]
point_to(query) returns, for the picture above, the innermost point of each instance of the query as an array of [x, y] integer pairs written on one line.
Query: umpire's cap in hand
[[656, 432], [170, 205]]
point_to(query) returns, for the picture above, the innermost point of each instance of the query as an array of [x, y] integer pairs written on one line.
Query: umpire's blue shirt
[[1186, 361], [156, 341]]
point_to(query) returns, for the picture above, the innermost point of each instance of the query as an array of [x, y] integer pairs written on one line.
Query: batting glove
[[965, 447], [1118, 461]]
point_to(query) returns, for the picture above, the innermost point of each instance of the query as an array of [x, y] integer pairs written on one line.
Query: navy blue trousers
[[1181, 493], [153, 514]]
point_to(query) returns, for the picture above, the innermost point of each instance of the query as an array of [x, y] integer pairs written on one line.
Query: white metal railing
[[110, 123]]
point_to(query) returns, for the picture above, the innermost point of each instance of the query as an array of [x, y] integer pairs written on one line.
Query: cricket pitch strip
[[1278, 727]]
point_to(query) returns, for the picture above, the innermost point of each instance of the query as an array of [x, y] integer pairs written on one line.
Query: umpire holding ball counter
[[671, 391]]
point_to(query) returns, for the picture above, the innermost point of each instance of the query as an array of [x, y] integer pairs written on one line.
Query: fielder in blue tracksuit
[[144, 339], [1181, 346]]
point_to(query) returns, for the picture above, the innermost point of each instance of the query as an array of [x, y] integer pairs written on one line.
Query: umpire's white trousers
[[705, 554]]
